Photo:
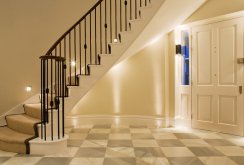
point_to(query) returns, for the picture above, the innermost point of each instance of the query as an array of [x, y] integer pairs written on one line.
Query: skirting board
[[150, 121]]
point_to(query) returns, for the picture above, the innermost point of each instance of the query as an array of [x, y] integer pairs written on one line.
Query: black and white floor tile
[[139, 145]]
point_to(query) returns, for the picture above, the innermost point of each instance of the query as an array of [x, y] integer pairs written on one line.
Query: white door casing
[[217, 104]]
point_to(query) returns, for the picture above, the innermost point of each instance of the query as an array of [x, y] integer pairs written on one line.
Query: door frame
[[181, 89]]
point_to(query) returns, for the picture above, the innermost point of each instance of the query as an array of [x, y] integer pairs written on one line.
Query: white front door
[[217, 79]]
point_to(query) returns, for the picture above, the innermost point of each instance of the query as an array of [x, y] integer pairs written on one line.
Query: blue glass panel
[[185, 54]]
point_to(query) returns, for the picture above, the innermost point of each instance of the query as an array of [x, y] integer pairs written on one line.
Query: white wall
[[28, 28]]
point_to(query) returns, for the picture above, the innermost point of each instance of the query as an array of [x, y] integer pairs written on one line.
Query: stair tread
[[23, 118], [34, 106], [22, 123], [11, 136]]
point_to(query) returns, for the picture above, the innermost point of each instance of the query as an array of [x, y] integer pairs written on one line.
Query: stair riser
[[13, 147]]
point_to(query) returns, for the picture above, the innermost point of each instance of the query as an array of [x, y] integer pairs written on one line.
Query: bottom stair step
[[13, 141]]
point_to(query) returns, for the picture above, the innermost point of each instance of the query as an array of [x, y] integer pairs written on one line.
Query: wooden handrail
[[72, 27], [57, 58]]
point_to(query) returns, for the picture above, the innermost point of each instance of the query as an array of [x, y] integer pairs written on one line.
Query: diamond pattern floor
[[139, 145]]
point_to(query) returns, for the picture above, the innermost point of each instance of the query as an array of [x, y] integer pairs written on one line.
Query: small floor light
[[28, 88]]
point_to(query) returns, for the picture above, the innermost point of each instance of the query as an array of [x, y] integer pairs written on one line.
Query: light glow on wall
[[116, 87], [158, 91], [154, 40]]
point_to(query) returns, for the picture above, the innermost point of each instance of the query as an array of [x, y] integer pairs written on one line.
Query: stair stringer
[[108, 60]]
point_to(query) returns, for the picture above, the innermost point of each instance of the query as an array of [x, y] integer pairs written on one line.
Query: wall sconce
[[178, 49]]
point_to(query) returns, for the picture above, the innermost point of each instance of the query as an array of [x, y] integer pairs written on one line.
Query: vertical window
[[185, 54]]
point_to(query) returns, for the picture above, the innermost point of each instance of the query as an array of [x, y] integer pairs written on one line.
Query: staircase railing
[[81, 46]]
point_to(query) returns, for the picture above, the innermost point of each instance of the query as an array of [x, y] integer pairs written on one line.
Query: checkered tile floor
[[139, 145]]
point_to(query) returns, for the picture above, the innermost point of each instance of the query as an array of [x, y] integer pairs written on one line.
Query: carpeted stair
[[20, 128]]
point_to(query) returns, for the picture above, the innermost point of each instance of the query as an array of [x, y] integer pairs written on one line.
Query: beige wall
[[28, 28], [133, 87], [213, 8]]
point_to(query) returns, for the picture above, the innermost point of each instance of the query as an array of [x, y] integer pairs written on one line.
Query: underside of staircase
[[23, 130]]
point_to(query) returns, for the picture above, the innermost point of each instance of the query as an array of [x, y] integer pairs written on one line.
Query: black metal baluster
[[136, 9], [57, 97], [125, 3], [51, 103], [55, 51], [44, 106], [85, 46], [106, 26], [130, 10], [70, 59], [75, 54], [42, 94], [60, 51], [95, 28], [80, 46], [116, 30], [111, 30], [90, 39], [120, 17], [63, 87], [65, 59], [101, 41]]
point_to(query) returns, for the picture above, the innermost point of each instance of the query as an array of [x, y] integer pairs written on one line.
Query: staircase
[[69, 69]]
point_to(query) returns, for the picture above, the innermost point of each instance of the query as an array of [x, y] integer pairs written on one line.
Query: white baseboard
[[151, 121]]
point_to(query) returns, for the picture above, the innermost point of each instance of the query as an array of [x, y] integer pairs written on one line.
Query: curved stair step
[[22, 123], [13, 141], [33, 110]]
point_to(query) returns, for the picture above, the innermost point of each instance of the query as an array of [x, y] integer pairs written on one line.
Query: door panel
[[227, 110], [204, 108], [204, 57], [227, 54], [217, 103]]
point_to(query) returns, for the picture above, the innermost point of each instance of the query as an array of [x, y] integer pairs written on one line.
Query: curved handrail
[[57, 58], [72, 27]]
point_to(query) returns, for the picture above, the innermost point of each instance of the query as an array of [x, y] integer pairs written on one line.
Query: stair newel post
[[125, 3]]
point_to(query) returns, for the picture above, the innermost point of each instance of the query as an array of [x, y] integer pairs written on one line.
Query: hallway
[[139, 145]]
